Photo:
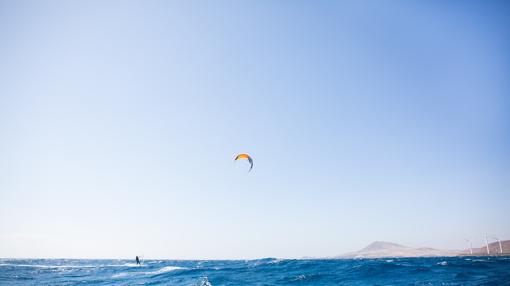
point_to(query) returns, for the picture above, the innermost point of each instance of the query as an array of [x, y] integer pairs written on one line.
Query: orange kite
[[247, 157]]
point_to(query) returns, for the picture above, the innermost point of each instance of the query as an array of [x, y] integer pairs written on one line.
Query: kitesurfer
[[138, 260]]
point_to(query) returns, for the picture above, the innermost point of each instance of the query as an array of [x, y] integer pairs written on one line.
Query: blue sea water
[[394, 271]]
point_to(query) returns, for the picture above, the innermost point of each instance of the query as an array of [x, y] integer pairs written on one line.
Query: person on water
[[138, 260]]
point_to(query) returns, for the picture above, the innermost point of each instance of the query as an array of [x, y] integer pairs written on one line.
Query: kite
[[247, 157]]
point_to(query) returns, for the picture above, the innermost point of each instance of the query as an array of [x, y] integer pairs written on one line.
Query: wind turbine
[[500, 247], [487, 244], [470, 246]]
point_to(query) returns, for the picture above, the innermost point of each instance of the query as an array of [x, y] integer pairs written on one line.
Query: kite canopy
[[247, 157]]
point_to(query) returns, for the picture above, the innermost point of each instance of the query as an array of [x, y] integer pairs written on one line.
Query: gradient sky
[[367, 120]]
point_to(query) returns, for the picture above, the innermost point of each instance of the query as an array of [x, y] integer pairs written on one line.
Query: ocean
[[270, 271]]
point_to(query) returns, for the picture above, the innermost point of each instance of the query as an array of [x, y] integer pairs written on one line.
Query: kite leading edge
[[247, 157]]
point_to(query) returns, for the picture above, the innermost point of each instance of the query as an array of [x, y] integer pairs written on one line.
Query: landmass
[[381, 249]]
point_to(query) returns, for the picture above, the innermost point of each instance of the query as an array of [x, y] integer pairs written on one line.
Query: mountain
[[380, 249]]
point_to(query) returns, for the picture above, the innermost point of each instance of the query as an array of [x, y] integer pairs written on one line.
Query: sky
[[366, 120]]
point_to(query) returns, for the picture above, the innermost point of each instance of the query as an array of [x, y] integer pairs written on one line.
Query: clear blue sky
[[367, 120]]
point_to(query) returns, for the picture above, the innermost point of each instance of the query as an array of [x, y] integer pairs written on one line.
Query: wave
[[70, 265], [205, 282], [156, 272], [47, 266], [120, 275], [165, 270], [265, 261], [124, 265]]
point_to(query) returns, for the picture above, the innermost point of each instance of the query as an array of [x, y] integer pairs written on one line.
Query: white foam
[[70, 266], [119, 275], [443, 263], [49, 266], [165, 269], [205, 282], [129, 265], [275, 261]]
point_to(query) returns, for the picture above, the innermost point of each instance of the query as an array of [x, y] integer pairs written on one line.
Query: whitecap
[[275, 261], [205, 282], [49, 266], [122, 265], [443, 263], [130, 265], [120, 275], [165, 269]]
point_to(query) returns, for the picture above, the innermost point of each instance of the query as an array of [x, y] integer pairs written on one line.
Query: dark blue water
[[396, 271]]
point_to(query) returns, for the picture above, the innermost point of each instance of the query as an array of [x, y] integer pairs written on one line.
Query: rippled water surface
[[404, 271]]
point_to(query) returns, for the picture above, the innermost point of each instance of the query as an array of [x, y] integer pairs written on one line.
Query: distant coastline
[[383, 249]]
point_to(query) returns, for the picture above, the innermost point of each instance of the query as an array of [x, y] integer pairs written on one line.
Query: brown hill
[[493, 249], [380, 249]]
